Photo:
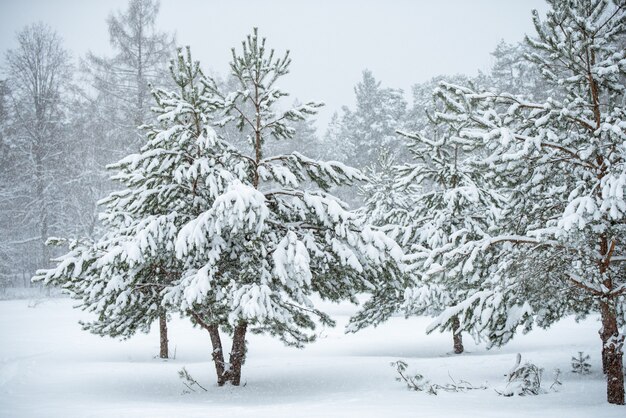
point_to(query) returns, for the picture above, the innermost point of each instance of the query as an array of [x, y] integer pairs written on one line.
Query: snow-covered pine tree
[[383, 201], [513, 74], [419, 115], [276, 237], [441, 203], [120, 277], [563, 164], [454, 207], [380, 194], [371, 126]]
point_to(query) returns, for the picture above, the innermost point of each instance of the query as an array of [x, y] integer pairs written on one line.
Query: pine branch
[[583, 286]]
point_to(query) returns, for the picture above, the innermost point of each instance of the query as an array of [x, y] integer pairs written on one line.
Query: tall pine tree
[[561, 163], [276, 236], [121, 276]]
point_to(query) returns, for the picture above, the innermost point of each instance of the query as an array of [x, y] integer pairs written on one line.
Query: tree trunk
[[43, 206], [164, 352], [217, 355], [237, 354], [612, 355], [604, 335], [216, 342], [456, 336]]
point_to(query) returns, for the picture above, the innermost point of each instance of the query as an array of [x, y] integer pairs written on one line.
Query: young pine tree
[[275, 237], [120, 276], [442, 203]]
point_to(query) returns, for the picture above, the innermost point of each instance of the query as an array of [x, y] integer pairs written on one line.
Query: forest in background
[[63, 119]]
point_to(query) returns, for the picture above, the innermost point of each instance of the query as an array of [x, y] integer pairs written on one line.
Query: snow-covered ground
[[49, 367]]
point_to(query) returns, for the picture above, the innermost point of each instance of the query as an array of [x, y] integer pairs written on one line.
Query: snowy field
[[49, 367]]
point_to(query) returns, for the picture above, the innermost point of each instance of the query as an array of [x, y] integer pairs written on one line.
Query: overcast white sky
[[401, 41]]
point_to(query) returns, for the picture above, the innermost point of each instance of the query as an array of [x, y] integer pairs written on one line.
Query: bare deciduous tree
[[141, 57], [39, 74]]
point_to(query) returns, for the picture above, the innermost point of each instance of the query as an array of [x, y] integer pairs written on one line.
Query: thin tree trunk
[[43, 208], [217, 354], [612, 355], [216, 342], [612, 341], [456, 336], [164, 352], [604, 335], [237, 354]]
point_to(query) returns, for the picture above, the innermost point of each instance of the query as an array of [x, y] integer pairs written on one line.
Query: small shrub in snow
[[525, 380], [33, 303], [557, 381], [415, 382], [189, 382], [419, 384], [580, 364]]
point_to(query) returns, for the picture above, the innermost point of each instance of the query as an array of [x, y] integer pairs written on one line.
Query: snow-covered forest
[[180, 241]]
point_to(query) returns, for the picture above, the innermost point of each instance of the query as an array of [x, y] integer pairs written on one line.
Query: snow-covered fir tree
[[305, 140], [332, 141], [561, 163], [276, 236]]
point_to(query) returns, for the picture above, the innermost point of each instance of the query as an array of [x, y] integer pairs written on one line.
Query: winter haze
[[331, 41]]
